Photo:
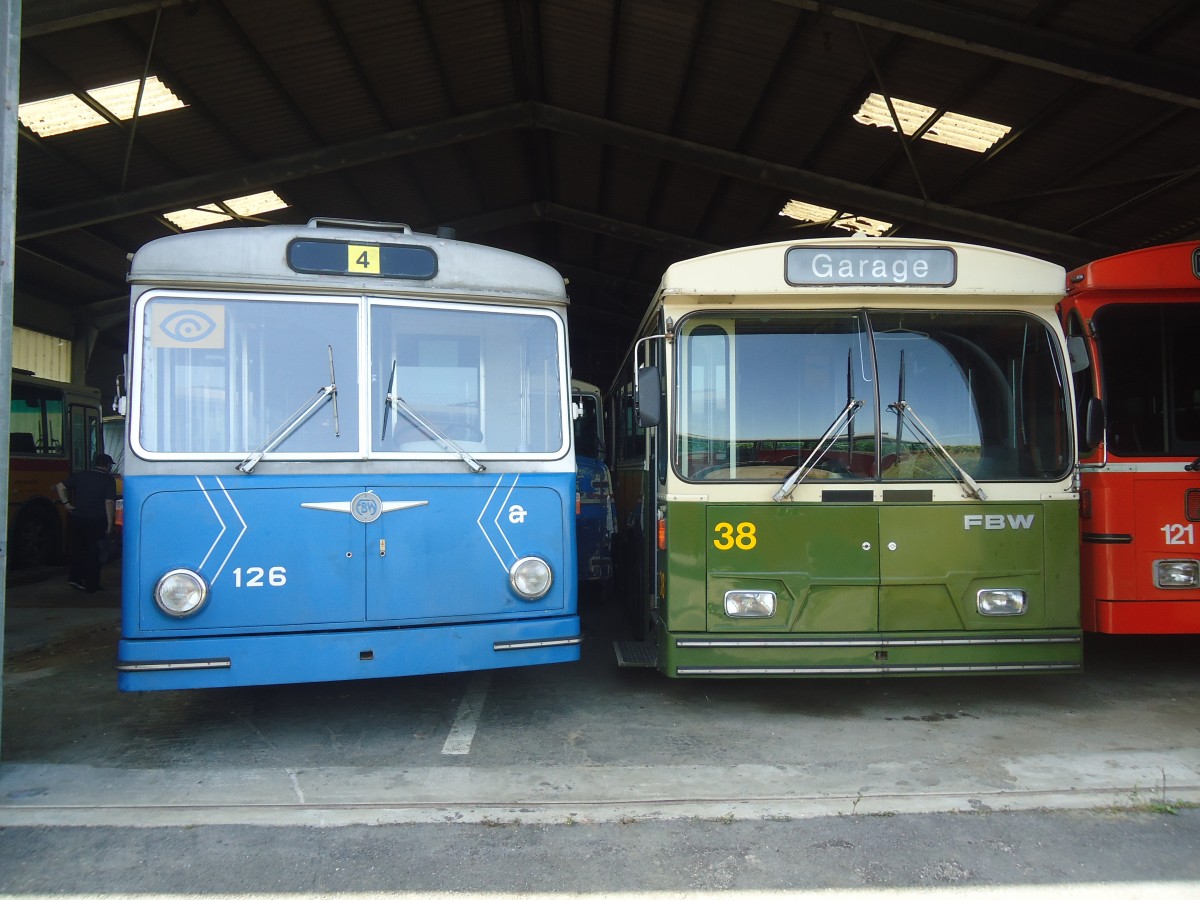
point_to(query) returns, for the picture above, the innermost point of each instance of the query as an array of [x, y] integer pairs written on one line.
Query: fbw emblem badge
[[366, 507]]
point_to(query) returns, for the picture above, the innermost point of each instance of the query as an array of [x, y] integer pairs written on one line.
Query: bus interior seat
[[22, 442], [998, 463], [458, 431], [1124, 437]]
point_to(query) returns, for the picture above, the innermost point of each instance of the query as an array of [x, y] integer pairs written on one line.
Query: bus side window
[[1082, 378], [37, 413], [633, 436], [587, 440]]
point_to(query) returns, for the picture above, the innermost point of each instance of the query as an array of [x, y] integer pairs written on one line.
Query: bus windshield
[[892, 395], [241, 374], [1151, 377], [486, 379]]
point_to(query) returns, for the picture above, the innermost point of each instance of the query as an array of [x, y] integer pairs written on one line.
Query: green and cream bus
[[857, 458]]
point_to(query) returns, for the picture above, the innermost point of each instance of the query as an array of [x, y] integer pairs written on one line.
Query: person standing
[[91, 500]]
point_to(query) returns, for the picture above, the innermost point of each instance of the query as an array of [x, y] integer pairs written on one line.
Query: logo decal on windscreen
[[186, 325]]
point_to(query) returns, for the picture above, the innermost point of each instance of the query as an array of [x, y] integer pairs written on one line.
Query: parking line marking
[[462, 732]]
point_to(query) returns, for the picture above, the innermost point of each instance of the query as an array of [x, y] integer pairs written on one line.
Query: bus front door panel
[[271, 555], [822, 561], [934, 558], [450, 557]]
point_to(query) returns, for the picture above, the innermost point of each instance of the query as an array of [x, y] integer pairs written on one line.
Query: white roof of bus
[[226, 255], [759, 270]]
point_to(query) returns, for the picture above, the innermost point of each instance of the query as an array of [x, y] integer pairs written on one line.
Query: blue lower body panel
[[150, 664], [593, 536]]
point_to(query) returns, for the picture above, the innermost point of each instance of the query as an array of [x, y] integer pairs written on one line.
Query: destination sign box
[[897, 266], [347, 258]]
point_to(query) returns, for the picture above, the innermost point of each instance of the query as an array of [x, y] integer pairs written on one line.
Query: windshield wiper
[[844, 418], [296, 419], [904, 411], [394, 401]]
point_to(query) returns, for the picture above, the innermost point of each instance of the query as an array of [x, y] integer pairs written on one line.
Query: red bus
[[55, 430], [1138, 314]]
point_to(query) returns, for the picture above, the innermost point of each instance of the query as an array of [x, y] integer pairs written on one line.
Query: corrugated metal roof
[[609, 138]]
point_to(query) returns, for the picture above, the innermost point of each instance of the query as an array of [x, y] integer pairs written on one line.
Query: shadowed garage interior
[[608, 139]]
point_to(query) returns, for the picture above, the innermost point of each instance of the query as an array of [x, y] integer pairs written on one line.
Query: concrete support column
[[10, 62]]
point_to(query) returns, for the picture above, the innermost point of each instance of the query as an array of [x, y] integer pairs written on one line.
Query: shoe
[[77, 585]]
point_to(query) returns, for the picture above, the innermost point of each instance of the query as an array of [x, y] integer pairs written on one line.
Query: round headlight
[[530, 577], [181, 592]]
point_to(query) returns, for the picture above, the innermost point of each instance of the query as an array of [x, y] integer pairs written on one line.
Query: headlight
[[750, 604], [530, 577], [1000, 602], [1176, 573], [181, 592]]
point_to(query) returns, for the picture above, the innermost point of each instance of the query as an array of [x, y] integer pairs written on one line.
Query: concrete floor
[[586, 779], [585, 742]]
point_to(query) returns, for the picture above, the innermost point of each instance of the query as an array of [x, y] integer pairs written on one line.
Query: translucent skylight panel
[[59, 115], [196, 217], [211, 213], [822, 215], [951, 128]]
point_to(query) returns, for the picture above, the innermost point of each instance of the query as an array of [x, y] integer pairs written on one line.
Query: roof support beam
[[49, 16], [200, 189], [953, 25], [830, 191], [584, 221], [672, 244]]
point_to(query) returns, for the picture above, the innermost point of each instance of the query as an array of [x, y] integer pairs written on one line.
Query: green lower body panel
[[870, 589], [894, 654]]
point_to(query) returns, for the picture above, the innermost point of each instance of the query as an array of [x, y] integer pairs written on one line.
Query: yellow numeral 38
[[743, 538]]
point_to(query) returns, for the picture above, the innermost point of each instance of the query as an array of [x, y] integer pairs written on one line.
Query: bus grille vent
[[1191, 505]]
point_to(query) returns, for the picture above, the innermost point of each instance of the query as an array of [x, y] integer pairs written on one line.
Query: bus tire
[[36, 538]]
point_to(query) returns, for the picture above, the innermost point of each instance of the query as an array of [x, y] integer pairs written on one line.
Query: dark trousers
[[85, 536]]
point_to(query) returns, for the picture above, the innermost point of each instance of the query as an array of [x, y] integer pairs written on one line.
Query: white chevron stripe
[[241, 533]]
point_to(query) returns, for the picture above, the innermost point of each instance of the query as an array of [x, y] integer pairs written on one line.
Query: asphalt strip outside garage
[[1153, 890], [586, 742]]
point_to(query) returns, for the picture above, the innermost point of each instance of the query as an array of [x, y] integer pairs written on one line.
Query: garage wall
[[45, 355]]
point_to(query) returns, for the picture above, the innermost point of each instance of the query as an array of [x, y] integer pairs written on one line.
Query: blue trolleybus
[[594, 512], [348, 456]]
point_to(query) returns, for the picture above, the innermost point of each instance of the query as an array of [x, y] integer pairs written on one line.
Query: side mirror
[[1093, 425], [118, 394], [647, 395], [1077, 352]]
